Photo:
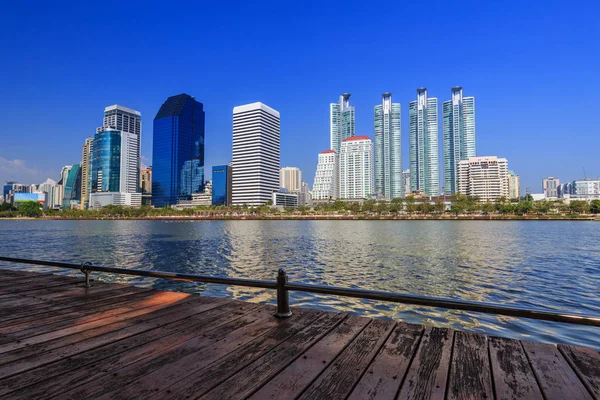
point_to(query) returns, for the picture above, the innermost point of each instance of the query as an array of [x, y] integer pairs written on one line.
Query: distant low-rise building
[[285, 199], [550, 187], [483, 177]]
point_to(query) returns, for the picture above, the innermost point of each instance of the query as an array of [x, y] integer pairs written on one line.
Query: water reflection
[[554, 265]]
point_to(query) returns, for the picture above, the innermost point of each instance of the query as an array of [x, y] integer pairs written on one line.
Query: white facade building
[[550, 187], [256, 154], [423, 135], [483, 177], [326, 185], [103, 199], [586, 189], [341, 122], [356, 168], [388, 149], [514, 185], [290, 178], [304, 197], [406, 181]]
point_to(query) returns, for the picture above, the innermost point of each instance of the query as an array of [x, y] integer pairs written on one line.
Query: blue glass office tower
[[106, 162], [72, 187], [178, 151], [221, 185]]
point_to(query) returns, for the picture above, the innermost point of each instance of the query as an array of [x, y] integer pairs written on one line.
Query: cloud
[[17, 170], [146, 161]]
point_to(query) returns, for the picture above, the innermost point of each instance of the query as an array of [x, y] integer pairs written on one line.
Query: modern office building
[[585, 189], [256, 154], [221, 185], [514, 185], [146, 180], [406, 181], [356, 168], [423, 135], [285, 199], [341, 121], [178, 150], [72, 188], [326, 183], [550, 187], [86, 157], [304, 197], [290, 178], [458, 132], [388, 149], [59, 189], [483, 177]]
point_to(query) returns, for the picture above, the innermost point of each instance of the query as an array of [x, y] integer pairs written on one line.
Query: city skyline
[[302, 81]]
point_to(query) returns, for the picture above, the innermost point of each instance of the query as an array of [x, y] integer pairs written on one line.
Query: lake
[[550, 265]]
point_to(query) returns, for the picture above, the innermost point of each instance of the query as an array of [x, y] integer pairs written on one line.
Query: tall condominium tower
[[290, 178], [514, 185], [341, 121], [458, 129], [256, 153], [325, 186], [423, 132], [356, 168], [178, 150], [388, 149], [483, 177], [86, 160], [127, 120]]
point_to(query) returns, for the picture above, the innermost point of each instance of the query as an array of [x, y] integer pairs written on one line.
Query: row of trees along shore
[[461, 205]]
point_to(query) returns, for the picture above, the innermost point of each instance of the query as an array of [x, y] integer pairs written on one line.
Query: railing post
[[86, 271], [283, 297]]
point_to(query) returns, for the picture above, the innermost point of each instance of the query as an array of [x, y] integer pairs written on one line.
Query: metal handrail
[[283, 287]]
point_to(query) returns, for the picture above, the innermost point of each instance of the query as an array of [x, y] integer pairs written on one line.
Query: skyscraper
[[550, 187], [388, 149], [458, 129], [178, 150], [256, 154], [290, 178], [341, 121], [514, 185], [86, 158], [483, 177], [326, 183], [221, 185], [423, 132], [72, 188], [356, 168]]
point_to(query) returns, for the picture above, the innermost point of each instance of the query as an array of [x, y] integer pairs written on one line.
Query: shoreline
[[324, 218]]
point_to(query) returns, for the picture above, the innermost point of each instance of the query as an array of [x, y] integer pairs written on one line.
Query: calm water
[[551, 265]]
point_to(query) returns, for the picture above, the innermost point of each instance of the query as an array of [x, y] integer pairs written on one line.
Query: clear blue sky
[[533, 66]]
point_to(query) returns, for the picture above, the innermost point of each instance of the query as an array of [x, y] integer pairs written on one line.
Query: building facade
[[326, 183], [341, 122], [458, 132], [356, 168], [290, 178], [146, 180], [72, 188], [283, 199], [483, 177], [178, 150], [423, 135], [304, 197], [388, 149], [221, 185], [256, 154], [514, 185], [86, 159], [406, 181], [550, 187], [585, 189]]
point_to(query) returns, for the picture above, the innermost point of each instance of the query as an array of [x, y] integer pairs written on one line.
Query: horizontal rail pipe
[[283, 286]]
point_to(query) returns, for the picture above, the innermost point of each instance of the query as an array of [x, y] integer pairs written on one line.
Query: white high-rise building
[[356, 168], [423, 134], [290, 178], [459, 135], [341, 122], [256, 154], [326, 184], [484, 177], [388, 149], [550, 187], [514, 185], [406, 180], [86, 161]]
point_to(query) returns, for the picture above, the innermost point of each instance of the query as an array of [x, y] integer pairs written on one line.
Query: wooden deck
[[60, 339]]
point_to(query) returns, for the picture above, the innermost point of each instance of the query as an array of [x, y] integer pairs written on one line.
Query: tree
[[30, 209], [368, 206], [488, 207], [410, 204], [382, 206], [439, 206], [6, 207], [527, 197], [579, 206], [541, 206], [595, 207], [524, 207]]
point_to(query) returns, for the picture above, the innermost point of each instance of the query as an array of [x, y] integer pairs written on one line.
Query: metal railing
[[283, 288]]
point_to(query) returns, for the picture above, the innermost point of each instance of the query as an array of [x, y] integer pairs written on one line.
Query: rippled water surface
[[553, 266]]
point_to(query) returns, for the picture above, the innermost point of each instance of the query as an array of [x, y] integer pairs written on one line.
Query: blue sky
[[533, 68]]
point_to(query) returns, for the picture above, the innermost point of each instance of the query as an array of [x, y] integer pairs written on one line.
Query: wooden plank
[[250, 377], [513, 376], [166, 299], [586, 364], [35, 283], [470, 368], [385, 374], [339, 378], [554, 375], [428, 373], [182, 361], [290, 382], [91, 365]]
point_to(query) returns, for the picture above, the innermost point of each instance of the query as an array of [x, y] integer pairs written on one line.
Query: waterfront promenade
[[61, 339]]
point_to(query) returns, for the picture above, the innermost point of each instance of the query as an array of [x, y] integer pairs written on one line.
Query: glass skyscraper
[[106, 156], [388, 149], [72, 189], [458, 129], [178, 151], [221, 185], [341, 121], [423, 132]]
